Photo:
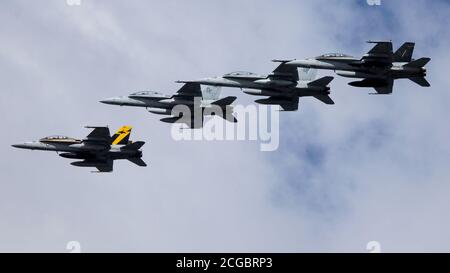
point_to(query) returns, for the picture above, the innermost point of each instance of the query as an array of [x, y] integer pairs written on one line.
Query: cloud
[[368, 168]]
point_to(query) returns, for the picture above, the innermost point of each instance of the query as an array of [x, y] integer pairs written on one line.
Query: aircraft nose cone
[[109, 101], [19, 146], [193, 81]]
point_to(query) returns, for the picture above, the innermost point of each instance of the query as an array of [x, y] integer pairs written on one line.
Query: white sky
[[368, 168]]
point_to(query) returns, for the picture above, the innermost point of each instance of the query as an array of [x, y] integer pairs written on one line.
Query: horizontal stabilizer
[[325, 99], [418, 63], [133, 146], [225, 101], [421, 81], [321, 82], [138, 161]]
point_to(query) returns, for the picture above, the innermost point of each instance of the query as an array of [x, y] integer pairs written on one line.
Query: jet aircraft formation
[[378, 69]]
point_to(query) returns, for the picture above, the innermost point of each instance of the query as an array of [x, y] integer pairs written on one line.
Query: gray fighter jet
[[190, 95], [97, 150], [283, 86], [378, 68]]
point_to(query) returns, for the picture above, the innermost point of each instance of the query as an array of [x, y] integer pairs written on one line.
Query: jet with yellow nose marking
[[99, 149]]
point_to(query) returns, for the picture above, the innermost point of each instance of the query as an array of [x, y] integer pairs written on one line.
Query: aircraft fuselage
[[352, 68], [265, 86], [81, 151]]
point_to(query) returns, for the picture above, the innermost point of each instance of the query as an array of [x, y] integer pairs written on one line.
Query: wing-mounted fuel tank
[[260, 92], [274, 101], [72, 156], [159, 111], [369, 83], [356, 75], [89, 164], [275, 82], [177, 100]]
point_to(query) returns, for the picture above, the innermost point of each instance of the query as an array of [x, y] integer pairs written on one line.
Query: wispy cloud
[[368, 168]]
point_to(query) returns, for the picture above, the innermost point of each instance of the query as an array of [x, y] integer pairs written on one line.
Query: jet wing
[[381, 48], [381, 55], [105, 167], [102, 165], [387, 89], [291, 106], [189, 90], [138, 161], [286, 103], [98, 136], [285, 72], [189, 121]]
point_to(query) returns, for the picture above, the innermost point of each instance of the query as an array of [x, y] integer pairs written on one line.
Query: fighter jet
[[97, 150], [378, 68], [283, 86], [190, 96]]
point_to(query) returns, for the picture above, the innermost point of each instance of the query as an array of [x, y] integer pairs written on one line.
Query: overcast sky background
[[368, 168]]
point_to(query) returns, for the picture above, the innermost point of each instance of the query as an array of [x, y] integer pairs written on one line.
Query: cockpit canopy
[[243, 74], [147, 93], [334, 55], [59, 139]]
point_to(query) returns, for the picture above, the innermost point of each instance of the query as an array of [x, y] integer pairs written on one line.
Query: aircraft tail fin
[[421, 81], [133, 146], [325, 99], [138, 161], [122, 136], [404, 53], [225, 101], [418, 63], [322, 82]]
